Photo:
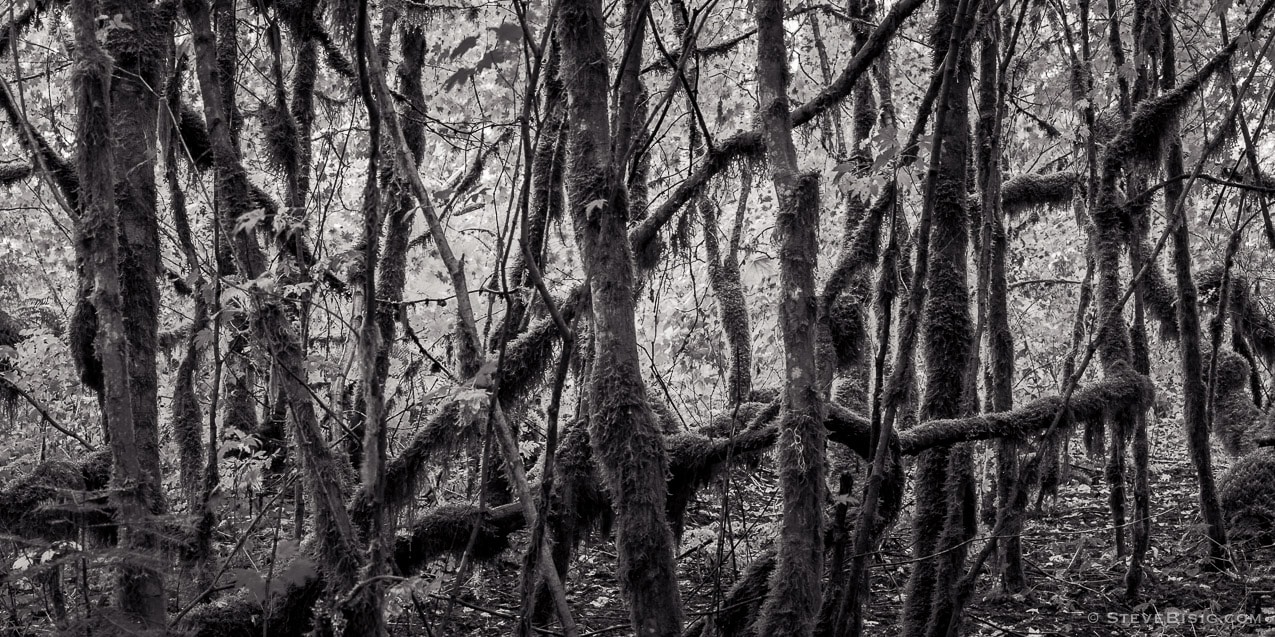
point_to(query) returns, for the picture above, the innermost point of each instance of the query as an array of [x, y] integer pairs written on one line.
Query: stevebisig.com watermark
[[1176, 617]]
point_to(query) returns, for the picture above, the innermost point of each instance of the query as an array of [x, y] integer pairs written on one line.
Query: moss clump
[[280, 132], [1031, 190], [665, 416], [55, 500], [13, 173], [1237, 422], [194, 136], [1247, 496], [1159, 295], [291, 613]]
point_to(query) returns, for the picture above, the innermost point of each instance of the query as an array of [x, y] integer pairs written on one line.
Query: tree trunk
[[140, 590], [625, 435], [943, 515], [792, 607], [1000, 362], [1194, 398], [138, 54]]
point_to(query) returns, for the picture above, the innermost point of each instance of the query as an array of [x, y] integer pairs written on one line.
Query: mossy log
[[694, 459], [290, 613], [446, 531]]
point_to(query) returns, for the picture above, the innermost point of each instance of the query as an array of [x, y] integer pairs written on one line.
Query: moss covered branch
[[1122, 389]]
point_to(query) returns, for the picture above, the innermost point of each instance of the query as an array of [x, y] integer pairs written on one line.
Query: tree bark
[[943, 517], [1000, 363], [138, 54]]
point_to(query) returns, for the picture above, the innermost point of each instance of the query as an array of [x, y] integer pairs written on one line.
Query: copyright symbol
[[1093, 618]]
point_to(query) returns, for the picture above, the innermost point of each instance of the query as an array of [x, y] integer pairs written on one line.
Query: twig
[[44, 413]]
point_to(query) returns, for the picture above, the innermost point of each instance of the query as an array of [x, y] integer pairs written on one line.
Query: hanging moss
[[82, 334], [194, 136], [1028, 191], [1159, 297], [1250, 319], [846, 323], [187, 415], [648, 255], [280, 132]]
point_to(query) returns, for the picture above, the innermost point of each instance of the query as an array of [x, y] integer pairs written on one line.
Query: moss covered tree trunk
[[140, 589], [1194, 396], [723, 265], [792, 607], [943, 517], [625, 435], [138, 53], [1000, 342]]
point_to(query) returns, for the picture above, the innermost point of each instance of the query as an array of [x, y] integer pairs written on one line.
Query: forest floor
[[1075, 581]]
